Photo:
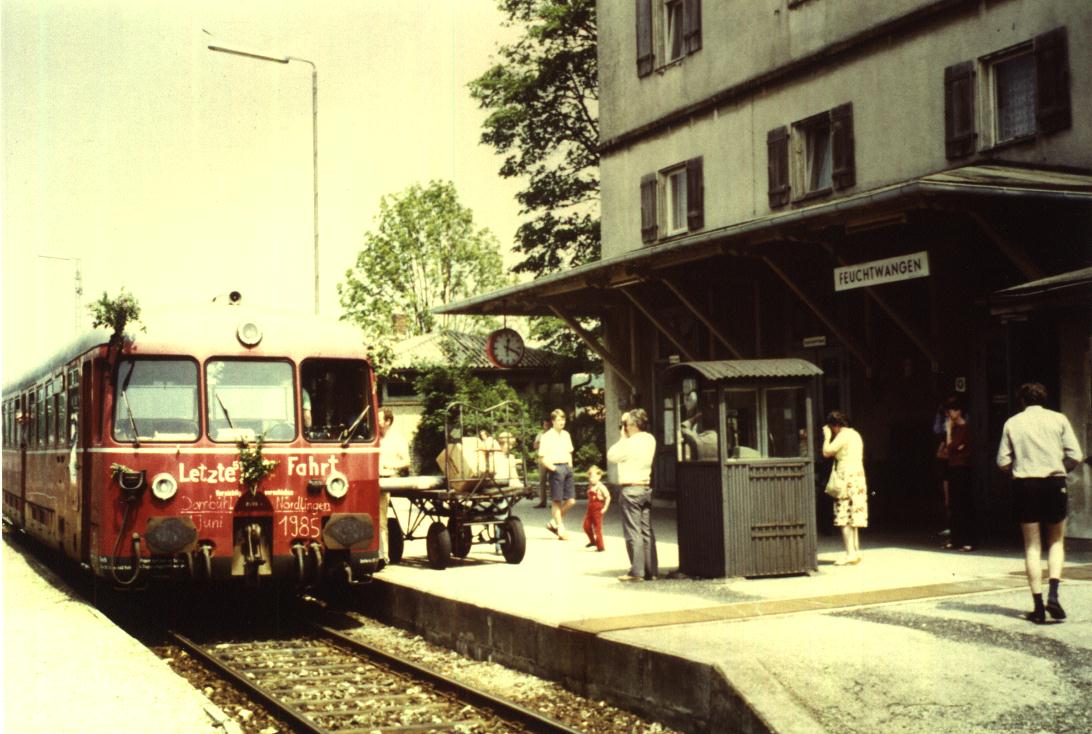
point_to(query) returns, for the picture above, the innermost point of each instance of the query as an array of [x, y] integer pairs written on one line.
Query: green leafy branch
[[253, 467], [115, 313]]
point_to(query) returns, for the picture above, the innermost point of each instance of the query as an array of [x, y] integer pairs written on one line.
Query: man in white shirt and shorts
[[555, 455]]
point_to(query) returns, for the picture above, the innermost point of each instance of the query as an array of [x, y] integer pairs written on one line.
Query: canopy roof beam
[[660, 326], [693, 308], [841, 335], [594, 345]]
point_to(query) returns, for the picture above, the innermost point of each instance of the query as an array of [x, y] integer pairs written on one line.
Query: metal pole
[[314, 140]]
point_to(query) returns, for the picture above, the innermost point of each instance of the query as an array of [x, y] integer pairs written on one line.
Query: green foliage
[[116, 470], [253, 467], [543, 99], [115, 313], [424, 251], [441, 385]]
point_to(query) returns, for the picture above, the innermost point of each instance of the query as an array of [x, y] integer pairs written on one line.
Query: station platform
[[914, 638], [67, 667]]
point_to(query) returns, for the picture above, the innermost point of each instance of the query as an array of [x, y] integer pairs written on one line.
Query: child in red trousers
[[598, 502]]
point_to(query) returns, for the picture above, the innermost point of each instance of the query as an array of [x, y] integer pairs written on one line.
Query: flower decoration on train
[[253, 467], [115, 314]]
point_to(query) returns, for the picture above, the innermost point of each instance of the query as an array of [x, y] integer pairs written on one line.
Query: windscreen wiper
[[346, 435], [128, 408]]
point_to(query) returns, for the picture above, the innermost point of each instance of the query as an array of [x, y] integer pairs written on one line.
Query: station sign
[[878, 272]]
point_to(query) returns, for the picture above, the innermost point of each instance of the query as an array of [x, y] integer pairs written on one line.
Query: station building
[[898, 191]]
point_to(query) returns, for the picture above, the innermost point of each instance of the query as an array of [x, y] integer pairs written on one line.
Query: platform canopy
[[593, 288]]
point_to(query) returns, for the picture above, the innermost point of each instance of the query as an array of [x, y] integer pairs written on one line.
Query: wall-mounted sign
[[813, 342], [877, 272]]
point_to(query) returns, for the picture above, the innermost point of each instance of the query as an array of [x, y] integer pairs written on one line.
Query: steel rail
[[505, 709], [300, 722]]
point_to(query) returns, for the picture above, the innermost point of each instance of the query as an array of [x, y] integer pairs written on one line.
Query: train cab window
[[335, 400], [156, 400], [248, 398]]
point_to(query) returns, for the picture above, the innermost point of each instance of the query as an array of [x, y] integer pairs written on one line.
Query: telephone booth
[[745, 476]]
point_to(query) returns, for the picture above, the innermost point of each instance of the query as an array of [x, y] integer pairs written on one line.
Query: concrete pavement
[[913, 639]]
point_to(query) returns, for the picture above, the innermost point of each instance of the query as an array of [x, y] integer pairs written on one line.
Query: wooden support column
[[843, 337], [595, 346], [660, 326], [692, 307]]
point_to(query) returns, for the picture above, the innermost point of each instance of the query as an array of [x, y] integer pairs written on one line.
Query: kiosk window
[[742, 423], [786, 412]]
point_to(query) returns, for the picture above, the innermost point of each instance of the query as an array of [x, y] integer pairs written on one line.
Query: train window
[[248, 398], [156, 400], [336, 397], [43, 417], [73, 406]]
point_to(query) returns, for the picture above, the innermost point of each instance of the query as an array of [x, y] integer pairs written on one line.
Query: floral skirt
[[853, 510]]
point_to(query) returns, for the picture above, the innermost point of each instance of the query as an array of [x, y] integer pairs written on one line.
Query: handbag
[[836, 485]]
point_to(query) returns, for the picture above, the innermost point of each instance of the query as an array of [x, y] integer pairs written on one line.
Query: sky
[[181, 174]]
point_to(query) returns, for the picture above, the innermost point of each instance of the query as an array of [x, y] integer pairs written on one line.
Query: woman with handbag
[[847, 483], [958, 440]]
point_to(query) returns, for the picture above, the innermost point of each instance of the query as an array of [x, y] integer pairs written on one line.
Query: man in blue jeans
[[633, 454], [555, 455]]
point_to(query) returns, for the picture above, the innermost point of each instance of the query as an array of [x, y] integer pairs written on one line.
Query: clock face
[[504, 347]]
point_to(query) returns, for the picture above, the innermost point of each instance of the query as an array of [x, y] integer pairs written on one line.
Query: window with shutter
[[695, 195], [675, 200], [1052, 111], [693, 26], [646, 59], [959, 131], [648, 208], [841, 143], [777, 166]]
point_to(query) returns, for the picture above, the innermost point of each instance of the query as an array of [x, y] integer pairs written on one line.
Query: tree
[[424, 252], [543, 98]]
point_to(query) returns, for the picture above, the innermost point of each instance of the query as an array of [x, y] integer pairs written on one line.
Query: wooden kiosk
[[745, 474]]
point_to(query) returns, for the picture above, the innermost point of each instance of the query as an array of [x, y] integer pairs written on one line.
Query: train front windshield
[[156, 400], [248, 398], [336, 397]]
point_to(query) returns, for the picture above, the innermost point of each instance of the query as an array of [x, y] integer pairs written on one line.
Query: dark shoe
[[1055, 609], [590, 545], [540, 505], [650, 577], [1038, 616], [551, 527]]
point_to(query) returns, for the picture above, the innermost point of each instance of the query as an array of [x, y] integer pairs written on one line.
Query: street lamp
[[79, 285], [314, 135]]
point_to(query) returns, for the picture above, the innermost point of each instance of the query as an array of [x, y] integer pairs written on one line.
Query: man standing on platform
[[633, 454], [555, 456], [1039, 447], [393, 460]]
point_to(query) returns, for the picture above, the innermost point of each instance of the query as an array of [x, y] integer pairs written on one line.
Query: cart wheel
[[396, 541], [438, 543], [513, 542], [461, 538]]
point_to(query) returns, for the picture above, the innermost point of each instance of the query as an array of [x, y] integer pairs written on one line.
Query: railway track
[[325, 681]]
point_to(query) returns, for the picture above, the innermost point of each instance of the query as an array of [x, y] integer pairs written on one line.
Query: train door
[[85, 418]]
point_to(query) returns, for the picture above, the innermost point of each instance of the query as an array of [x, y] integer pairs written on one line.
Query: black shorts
[[1040, 500]]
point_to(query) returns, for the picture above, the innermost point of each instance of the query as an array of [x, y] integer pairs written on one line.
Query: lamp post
[[314, 136], [79, 286]]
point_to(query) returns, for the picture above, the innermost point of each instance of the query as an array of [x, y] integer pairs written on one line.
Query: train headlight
[[164, 486], [249, 333], [337, 485]]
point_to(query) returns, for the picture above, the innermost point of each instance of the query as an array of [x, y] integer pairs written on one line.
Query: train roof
[[205, 331]]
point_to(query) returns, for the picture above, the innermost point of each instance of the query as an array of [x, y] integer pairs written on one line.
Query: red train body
[[125, 455]]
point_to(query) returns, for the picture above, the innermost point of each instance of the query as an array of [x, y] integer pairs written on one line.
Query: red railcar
[[125, 454]]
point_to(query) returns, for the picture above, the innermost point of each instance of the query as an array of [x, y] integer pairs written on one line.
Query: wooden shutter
[[646, 60], [844, 172], [959, 134], [692, 33], [695, 195], [777, 165], [1053, 111], [649, 229]]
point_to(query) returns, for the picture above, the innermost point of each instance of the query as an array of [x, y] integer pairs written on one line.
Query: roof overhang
[[1066, 290], [576, 289]]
